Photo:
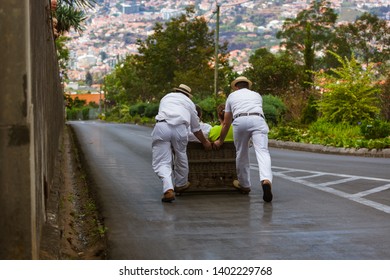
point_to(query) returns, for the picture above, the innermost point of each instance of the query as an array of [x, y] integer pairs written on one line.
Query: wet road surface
[[325, 207]]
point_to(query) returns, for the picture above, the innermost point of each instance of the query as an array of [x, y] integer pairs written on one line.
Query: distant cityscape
[[113, 27]]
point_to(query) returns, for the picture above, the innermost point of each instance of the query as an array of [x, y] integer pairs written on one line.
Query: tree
[[126, 84], [135, 88], [103, 55], [385, 98], [348, 93], [280, 76], [368, 38], [112, 88], [181, 51], [308, 55], [309, 33], [337, 44], [89, 78], [272, 74]]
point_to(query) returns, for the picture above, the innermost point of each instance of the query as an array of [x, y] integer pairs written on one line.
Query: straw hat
[[241, 79], [184, 89]]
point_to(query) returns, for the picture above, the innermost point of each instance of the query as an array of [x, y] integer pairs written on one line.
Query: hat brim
[[233, 84], [183, 91]]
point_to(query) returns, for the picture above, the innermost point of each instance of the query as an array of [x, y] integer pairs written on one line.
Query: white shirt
[[177, 108], [205, 129], [244, 101]]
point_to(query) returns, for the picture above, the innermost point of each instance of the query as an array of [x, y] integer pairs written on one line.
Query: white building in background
[[73, 85], [275, 24], [167, 14], [86, 61], [130, 7]]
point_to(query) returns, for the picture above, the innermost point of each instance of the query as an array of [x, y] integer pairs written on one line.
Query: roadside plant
[[375, 129], [274, 109], [347, 93]]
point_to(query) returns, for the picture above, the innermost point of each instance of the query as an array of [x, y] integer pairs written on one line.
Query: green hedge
[[83, 113], [336, 135], [375, 129], [274, 109]]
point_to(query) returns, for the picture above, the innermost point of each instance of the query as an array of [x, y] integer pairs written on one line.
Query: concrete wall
[[31, 123]]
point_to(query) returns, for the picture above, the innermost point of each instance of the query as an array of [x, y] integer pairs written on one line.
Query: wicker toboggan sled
[[211, 170]]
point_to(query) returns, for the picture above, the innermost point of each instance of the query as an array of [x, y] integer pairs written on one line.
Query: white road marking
[[371, 191], [309, 176], [283, 172], [338, 181]]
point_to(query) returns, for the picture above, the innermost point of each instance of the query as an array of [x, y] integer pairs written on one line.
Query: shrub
[[151, 110], [273, 108], [137, 119], [126, 119], [375, 129], [146, 120], [286, 133], [138, 109], [209, 108], [322, 128], [85, 113], [348, 93], [310, 112], [74, 113]]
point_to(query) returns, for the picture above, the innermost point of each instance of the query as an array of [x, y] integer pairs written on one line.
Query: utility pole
[[216, 52]]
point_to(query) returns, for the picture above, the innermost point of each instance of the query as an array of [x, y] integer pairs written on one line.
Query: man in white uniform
[[176, 115], [244, 109]]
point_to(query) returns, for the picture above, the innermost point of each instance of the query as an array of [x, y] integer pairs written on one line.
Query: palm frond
[[69, 17], [79, 3]]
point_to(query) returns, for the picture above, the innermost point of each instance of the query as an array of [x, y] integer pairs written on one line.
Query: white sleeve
[[194, 123]]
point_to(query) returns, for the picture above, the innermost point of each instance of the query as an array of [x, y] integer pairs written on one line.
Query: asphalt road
[[325, 207]]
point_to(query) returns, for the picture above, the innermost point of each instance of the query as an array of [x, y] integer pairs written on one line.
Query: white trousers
[[169, 148], [245, 128]]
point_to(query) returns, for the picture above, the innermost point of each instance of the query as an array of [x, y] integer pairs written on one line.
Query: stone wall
[[31, 123]]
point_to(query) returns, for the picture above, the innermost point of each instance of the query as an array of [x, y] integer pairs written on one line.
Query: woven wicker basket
[[211, 170]]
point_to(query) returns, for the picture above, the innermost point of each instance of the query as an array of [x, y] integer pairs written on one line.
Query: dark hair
[[198, 111], [221, 111]]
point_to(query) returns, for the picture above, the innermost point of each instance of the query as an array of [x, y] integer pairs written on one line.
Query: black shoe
[[267, 193]]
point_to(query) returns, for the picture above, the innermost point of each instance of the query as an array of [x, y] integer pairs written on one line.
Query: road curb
[[316, 148]]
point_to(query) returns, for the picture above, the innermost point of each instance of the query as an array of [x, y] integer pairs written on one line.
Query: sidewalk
[[71, 231]]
